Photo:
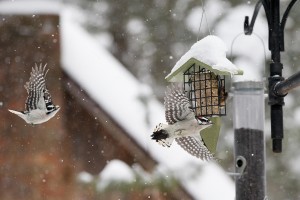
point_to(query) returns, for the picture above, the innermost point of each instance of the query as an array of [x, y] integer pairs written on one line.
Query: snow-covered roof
[[117, 91], [30, 7], [210, 52]]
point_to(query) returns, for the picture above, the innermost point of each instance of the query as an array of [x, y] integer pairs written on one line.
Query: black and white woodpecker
[[183, 126], [38, 106]]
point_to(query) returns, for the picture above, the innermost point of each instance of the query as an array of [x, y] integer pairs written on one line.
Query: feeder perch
[[202, 71]]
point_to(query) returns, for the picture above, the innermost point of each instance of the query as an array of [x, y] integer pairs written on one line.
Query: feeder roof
[[210, 52]]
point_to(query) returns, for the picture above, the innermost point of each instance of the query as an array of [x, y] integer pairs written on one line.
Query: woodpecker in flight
[[38, 106], [183, 125]]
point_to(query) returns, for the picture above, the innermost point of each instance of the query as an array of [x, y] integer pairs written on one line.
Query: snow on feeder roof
[[210, 53]]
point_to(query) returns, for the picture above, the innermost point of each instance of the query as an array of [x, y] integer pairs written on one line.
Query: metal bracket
[[275, 99], [248, 29]]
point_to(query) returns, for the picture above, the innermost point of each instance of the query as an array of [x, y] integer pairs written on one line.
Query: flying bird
[[39, 107], [183, 126]]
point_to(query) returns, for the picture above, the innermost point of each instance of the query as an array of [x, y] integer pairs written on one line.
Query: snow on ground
[[85, 177], [118, 92], [115, 170]]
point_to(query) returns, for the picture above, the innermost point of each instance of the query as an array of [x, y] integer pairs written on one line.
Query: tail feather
[[16, 112], [161, 136], [166, 142], [20, 114]]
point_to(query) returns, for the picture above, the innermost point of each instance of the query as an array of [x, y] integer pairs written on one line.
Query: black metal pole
[[277, 87], [283, 87], [276, 102], [249, 143]]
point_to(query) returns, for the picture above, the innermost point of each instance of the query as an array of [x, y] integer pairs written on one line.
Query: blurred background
[[108, 60]]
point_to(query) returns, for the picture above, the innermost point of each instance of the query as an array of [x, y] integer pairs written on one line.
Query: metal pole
[[277, 87], [249, 143], [276, 102]]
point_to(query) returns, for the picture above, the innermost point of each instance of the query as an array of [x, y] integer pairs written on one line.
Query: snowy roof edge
[[29, 7], [177, 75]]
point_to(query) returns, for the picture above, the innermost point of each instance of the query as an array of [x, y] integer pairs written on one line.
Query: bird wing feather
[[195, 146], [176, 105], [36, 88]]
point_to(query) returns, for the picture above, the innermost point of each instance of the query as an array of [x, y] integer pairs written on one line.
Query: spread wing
[[36, 88], [195, 146], [177, 106]]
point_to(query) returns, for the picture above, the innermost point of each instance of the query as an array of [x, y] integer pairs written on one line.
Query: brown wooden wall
[[34, 160], [97, 138], [93, 145]]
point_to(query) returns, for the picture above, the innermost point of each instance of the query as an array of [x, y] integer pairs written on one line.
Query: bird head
[[203, 121], [53, 111]]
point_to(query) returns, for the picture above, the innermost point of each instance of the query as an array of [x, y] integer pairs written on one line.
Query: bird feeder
[[206, 89], [203, 71]]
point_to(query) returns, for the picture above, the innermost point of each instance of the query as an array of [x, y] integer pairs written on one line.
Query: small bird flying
[[39, 107], [183, 125]]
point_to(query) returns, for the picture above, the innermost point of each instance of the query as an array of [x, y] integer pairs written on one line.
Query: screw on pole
[[249, 143]]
